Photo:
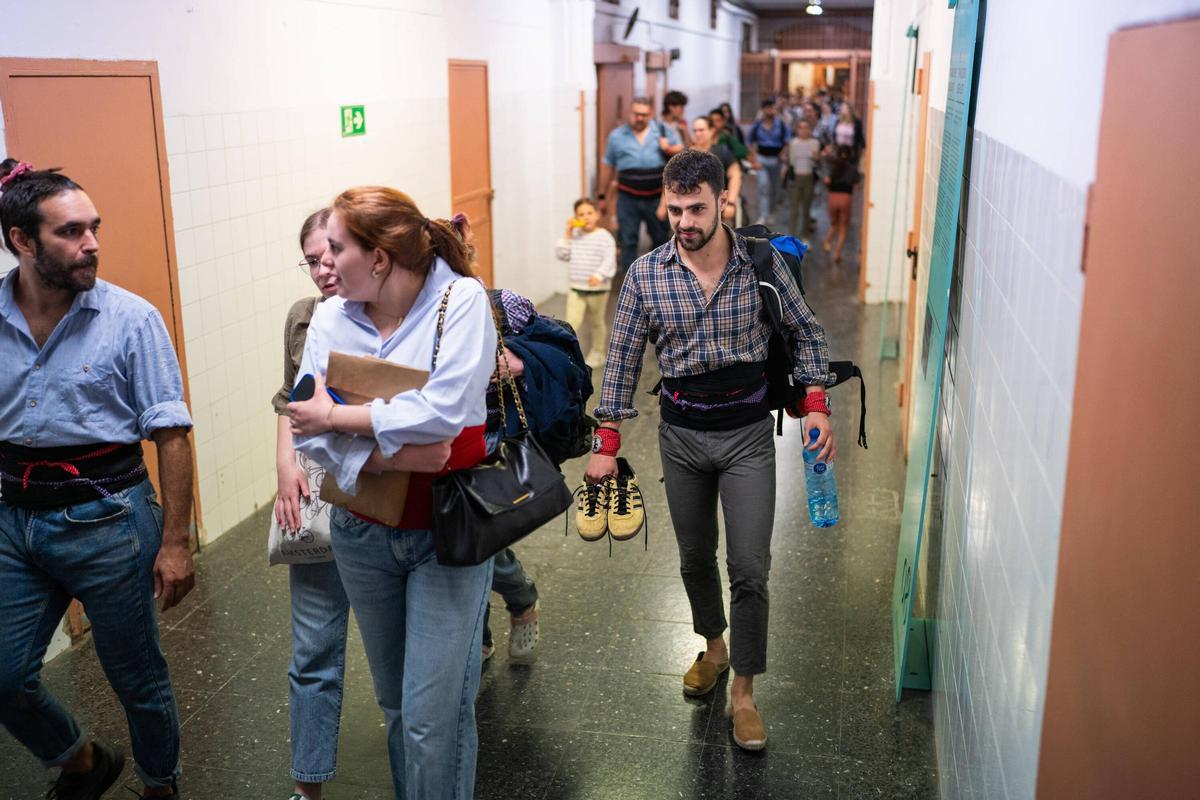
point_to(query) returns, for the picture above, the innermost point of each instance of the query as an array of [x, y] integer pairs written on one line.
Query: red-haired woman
[[421, 622]]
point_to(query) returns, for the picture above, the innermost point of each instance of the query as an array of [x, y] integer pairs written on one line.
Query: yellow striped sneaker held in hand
[[626, 515], [591, 509]]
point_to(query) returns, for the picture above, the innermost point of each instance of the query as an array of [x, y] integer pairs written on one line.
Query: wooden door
[[471, 156], [914, 243], [101, 122], [614, 93], [1121, 697]]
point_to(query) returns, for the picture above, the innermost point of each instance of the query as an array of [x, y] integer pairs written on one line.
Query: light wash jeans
[[421, 624], [320, 613], [768, 186], [102, 552]]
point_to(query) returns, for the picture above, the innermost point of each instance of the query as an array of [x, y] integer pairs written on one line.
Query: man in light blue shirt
[[89, 372], [634, 158]]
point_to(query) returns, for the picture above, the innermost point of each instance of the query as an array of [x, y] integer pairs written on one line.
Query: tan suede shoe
[[702, 676], [626, 511], [748, 730]]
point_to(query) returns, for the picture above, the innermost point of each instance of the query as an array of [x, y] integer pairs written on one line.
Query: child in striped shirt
[[591, 252]]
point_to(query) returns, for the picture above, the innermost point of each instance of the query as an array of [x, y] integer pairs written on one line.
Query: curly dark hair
[[689, 169], [673, 98]]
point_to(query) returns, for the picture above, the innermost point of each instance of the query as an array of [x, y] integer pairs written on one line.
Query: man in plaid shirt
[[697, 298]]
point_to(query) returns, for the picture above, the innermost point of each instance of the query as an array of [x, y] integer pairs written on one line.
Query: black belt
[[40, 478], [641, 181]]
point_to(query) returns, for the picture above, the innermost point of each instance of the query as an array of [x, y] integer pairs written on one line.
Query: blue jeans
[[420, 624], [102, 552], [631, 213], [320, 612], [768, 185], [511, 582]]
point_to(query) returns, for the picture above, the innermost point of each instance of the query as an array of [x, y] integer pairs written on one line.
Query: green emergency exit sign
[[354, 120]]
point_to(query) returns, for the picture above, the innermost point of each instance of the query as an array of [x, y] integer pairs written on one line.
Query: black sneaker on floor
[[107, 765]]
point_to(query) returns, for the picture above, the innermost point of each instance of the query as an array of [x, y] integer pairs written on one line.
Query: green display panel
[[910, 646]]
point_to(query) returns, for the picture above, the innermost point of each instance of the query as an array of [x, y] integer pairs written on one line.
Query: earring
[[375, 274]]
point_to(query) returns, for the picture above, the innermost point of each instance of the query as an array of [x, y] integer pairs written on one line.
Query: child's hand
[[594, 281], [570, 228]]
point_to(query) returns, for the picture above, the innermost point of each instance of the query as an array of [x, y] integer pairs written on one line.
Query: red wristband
[[606, 442], [816, 401]]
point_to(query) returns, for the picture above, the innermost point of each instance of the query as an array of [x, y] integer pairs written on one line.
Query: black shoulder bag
[[478, 512]]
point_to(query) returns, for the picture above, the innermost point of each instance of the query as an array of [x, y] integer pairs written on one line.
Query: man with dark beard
[[89, 372], [697, 299]]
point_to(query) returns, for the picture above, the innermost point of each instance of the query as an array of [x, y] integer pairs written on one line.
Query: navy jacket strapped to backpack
[[558, 385]]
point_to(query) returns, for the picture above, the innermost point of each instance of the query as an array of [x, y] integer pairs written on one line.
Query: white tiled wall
[[1005, 422]]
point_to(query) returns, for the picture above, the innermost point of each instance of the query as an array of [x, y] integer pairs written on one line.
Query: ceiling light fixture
[[814, 8]]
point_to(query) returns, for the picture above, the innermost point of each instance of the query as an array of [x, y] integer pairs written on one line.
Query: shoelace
[[589, 498], [622, 494]]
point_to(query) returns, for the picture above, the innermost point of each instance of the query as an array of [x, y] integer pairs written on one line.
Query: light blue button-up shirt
[[623, 150], [107, 374], [452, 398]]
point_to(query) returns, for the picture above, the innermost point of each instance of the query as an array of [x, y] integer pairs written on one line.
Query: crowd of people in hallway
[[797, 149], [79, 516]]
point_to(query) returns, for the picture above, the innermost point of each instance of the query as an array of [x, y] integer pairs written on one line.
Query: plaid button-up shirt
[[662, 300]]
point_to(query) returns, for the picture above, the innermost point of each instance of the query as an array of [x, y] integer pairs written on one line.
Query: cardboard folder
[[359, 380]]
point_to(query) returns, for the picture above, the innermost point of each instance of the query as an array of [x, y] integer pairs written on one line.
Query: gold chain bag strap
[[477, 512]]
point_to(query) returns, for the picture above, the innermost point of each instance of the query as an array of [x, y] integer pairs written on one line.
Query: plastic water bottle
[[821, 486]]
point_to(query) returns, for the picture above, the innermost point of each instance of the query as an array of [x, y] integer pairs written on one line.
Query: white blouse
[[451, 400]]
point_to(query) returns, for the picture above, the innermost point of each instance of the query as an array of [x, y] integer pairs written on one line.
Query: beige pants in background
[[595, 306]]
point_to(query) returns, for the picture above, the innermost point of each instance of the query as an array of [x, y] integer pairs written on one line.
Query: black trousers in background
[[632, 211]]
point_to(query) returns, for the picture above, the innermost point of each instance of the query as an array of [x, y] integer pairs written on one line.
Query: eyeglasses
[[310, 264]]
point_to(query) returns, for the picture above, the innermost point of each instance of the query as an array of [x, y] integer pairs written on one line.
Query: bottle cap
[[813, 435]]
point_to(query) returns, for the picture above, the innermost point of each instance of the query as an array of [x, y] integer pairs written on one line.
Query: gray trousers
[[738, 466]]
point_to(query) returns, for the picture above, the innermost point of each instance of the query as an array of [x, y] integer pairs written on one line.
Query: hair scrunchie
[[17, 171]]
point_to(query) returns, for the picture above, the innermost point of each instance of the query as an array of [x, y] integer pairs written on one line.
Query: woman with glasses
[[320, 610]]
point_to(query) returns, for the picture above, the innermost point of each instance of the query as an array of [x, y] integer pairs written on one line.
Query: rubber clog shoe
[[524, 637]]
